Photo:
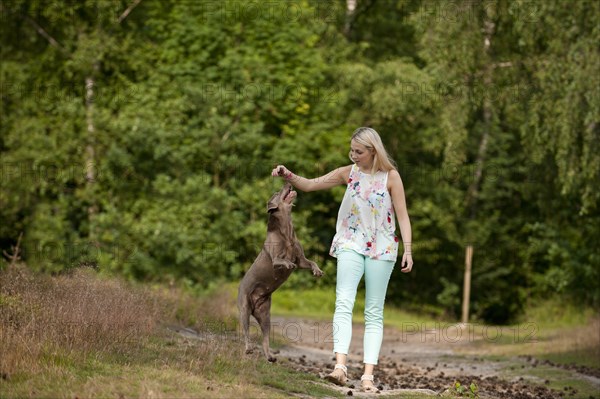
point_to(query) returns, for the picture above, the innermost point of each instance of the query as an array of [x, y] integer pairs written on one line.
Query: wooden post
[[467, 284]]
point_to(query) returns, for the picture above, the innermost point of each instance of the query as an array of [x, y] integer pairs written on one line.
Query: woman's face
[[361, 155]]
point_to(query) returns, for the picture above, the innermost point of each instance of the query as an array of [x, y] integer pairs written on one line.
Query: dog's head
[[282, 201]]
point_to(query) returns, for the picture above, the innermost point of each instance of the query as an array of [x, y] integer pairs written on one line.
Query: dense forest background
[[138, 137]]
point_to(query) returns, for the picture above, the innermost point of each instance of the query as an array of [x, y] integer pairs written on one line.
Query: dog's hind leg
[[244, 308], [262, 313]]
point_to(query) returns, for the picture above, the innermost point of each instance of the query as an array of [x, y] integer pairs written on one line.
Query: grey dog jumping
[[280, 255]]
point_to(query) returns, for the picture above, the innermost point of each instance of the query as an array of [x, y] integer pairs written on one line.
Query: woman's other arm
[[396, 189]]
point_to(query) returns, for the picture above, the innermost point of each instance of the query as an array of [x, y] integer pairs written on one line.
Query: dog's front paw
[[315, 269], [284, 264], [288, 265]]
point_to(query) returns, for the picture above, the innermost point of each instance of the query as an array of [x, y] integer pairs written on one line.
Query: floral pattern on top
[[365, 221]]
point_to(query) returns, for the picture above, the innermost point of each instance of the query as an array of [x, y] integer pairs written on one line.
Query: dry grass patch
[[45, 320], [210, 309], [85, 335]]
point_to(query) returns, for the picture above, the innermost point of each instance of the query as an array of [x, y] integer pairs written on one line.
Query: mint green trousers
[[351, 266]]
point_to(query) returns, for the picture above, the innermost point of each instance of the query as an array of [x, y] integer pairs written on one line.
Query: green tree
[[139, 136]]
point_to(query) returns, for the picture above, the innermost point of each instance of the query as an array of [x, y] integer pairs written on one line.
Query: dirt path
[[415, 360], [425, 361]]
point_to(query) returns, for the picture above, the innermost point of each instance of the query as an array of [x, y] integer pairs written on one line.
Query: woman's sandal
[[368, 388], [338, 377]]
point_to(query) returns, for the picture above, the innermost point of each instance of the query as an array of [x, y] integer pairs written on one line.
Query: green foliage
[[161, 170], [471, 391]]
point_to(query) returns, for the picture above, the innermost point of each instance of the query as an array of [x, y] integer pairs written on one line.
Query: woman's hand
[[281, 171], [407, 263]]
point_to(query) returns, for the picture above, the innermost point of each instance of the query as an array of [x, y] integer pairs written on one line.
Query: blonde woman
[[364, 244]]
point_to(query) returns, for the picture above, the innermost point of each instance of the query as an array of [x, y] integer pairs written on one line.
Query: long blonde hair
[[370, 139]]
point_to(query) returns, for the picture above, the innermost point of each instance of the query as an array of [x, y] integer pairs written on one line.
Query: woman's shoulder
[[345, 171], [393, 174], [393, 178]]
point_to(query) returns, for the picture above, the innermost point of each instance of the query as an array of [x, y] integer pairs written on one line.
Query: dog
[[280, 255]]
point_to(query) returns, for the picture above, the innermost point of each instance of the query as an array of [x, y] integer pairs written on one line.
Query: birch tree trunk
[[473, 191], [350, 9], [90, 152]]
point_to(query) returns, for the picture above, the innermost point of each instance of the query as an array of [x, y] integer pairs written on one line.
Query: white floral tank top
[[365, 221]]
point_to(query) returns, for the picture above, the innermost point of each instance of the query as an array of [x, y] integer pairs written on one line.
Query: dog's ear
[[272, 206], [273, 203]]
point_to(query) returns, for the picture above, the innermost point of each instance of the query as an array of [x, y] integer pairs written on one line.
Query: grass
[[562, 333], [319, 304], [551, 377], [83, 335], [555, 313], [589, 357], [568, 334], [550, 330], [313, 303]]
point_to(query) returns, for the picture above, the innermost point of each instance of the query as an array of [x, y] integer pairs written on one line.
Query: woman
[[364, 243]]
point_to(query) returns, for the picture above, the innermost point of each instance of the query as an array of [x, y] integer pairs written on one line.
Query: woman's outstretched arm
[[334, 178]]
